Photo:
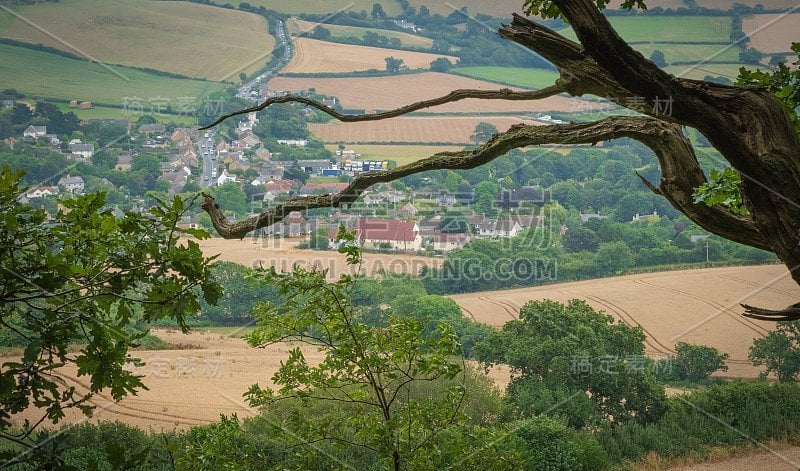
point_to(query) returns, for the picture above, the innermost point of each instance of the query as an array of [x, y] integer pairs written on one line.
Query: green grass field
[[180, 37], [391, 7], [47, 75], [691, 52], [659, 29], [106, 112], [297, 26], [518, 76]]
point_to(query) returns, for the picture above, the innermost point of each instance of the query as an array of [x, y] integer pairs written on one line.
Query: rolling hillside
[[180, 37], [45, 74]]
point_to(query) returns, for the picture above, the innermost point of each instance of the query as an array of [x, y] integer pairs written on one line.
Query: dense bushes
[[721, 415]]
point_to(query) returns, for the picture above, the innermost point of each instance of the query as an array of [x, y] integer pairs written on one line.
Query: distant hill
[[179, 37]]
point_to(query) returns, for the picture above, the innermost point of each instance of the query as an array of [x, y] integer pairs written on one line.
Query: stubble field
[[208, 376], [385, 93], [440, 129], [314, 56], [695, 306], [772, 33]]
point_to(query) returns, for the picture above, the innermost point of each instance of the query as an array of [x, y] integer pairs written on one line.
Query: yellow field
[[445, 129], [297, 26], [312, 56], [385, 93], [192, 386], [402, 154], [695, 306], [772, 33], [179, 37]]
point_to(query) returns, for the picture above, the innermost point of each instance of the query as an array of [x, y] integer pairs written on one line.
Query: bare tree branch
[[455, 95]]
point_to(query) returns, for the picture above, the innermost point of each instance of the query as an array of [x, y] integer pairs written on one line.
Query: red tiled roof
[[386, 229]]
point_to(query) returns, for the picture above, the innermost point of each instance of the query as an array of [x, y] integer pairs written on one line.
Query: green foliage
[[784, 83], [393, 64], [779, 351], [699, 361], [483, 132], [572, 350], [87, 277], [242, 292], [442, 64], [225, 446], [737, 413], [546, 8], [723, 188], [371, 372]]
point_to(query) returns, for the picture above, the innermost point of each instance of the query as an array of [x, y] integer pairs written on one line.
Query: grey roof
[[82, 147]]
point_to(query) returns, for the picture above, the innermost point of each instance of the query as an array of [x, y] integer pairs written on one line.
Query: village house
[[645, 217], [123, 163], [446, 242], [384, 233], [529, 195], [72, 184], [293, 142], [155, 128], [34, 132], [271, 171], [41, 192], [585, 217], [502, 227], [225, 178]]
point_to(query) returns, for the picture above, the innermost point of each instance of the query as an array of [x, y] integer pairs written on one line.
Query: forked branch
[[455, 95], [664, 138]]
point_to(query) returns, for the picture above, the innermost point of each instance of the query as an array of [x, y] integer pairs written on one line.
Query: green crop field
[[517, 76], [107, 112], [47, 75], [180, 37], [659, 29], [391, 7], [297, 26]]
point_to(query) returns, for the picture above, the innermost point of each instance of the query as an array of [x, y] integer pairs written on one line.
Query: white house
[[84, 150], [444, 242], [34, 132], [41, 192], [224, 178]]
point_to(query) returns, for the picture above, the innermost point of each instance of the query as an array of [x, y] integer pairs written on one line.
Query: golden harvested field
[[772, 33], [283, 254], [297, 26], [179, 37], [447, 129], [695, 306], [193, 385], [311, 56], [402, 154], [385, 93]]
